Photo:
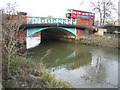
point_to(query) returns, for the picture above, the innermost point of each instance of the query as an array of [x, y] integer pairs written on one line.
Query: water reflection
[[83, 66], [62, 54]]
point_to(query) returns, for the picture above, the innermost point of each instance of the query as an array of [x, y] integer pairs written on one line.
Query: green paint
[[38, 20], [32, 31]]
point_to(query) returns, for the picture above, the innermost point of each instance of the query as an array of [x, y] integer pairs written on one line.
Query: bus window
[[80, 12], [69, 11], [92, 14], [74, 12], [68, 15], [86, 13], [83, 13]]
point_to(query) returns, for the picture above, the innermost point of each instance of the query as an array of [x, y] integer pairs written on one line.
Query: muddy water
[[80, 65]]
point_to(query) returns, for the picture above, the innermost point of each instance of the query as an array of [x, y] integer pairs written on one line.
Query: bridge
[[50, 26], [36, 24]]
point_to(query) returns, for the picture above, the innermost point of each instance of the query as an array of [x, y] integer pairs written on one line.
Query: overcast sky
[[55, 8]]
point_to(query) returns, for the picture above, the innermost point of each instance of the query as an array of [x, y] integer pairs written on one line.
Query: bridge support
[[53, 33]]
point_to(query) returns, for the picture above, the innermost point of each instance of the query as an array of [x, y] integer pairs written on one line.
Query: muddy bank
[[97, 40]]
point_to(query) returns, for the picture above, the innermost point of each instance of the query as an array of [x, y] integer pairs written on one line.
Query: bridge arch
[[67, 31]]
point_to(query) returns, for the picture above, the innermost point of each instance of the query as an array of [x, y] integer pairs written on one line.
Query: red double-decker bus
[[86, 18], [72, 13]]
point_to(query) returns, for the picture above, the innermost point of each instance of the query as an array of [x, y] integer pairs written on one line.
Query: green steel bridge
[[59, 26]]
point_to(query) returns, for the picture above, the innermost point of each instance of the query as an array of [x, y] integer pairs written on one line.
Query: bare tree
[[81, 4], [11, 22], [104, 9], [117, 10]]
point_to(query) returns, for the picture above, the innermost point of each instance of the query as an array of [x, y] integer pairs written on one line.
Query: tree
[[104, 9], [117, 10], [11, 22]]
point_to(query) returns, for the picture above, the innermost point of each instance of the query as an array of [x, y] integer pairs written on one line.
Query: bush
[[32, 75]]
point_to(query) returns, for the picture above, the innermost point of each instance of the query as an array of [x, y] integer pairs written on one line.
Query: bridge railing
[[39, 20]]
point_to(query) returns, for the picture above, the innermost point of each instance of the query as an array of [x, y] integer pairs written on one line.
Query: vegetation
[[104, 9], [20, 72], [26, 74], [10, 28], [17, 70], [97, 40]]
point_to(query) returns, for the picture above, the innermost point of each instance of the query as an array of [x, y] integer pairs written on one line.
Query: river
[[81, 65]]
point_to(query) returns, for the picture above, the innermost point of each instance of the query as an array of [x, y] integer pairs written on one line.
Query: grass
[[97, 40], [27, 74]]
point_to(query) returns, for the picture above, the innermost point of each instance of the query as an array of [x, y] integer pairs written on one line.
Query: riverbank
[[97, 40], [26, 74], [94, 40], [71, 62]]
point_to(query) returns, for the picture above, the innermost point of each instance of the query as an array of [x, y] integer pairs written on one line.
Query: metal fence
[[39, 20]]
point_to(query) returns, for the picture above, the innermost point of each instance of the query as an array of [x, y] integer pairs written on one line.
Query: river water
[[81, 65]]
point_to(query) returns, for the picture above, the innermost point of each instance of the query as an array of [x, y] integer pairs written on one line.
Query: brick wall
[[79, 32], [23, 16], [80, 21], [22, 33]]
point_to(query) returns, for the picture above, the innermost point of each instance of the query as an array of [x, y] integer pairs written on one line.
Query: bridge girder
[[60, 30]]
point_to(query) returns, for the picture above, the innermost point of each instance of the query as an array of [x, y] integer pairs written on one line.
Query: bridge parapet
[[39, 20]]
